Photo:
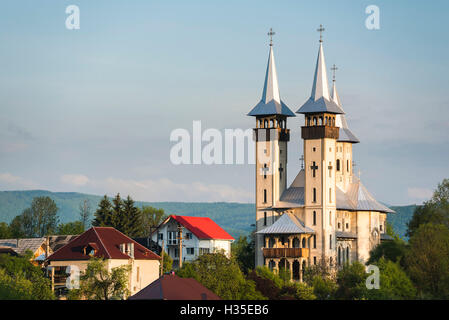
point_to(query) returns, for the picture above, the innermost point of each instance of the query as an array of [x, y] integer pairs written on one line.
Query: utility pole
[[161, 273], [180, 244]]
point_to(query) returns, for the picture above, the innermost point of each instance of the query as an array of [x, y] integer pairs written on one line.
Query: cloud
[[167, 190], [420, 193], [10, 181], [77, 180]]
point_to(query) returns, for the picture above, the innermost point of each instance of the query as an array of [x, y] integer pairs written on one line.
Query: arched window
[[339, 256], [314, 194], [314, 241], [330, 241], [347, 254], [303, 242], [265, 195], [314, 218], [338, 164]]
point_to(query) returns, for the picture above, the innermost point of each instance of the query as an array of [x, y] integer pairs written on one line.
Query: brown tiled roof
[[172, 287], [106, 241]]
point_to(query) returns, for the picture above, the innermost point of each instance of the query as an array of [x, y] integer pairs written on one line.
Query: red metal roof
[[203, 227], [106, 242], [172, 287]]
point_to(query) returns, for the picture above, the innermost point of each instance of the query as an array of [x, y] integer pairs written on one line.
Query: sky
[[91, 110]]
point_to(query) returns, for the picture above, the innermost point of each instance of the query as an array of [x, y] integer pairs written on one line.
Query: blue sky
[[91, 110]]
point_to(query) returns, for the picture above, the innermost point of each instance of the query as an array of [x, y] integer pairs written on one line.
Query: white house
[[199, 235]]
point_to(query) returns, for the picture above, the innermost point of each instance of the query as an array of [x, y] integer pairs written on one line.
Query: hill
[[236, 218]]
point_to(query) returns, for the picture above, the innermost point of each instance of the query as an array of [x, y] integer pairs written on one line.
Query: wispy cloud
[[77, 180], [9, 181]]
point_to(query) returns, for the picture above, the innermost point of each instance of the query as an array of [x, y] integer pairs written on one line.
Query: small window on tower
[[265, 218], [338, 164], [265, 195], [314, 241], [314, 218], [313, 149], [347, 226], [314, 194]]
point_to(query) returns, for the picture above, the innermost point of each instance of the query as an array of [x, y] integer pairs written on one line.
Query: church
[[326, 214]]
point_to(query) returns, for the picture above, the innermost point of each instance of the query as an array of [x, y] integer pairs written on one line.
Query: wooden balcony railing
[[286, 252]]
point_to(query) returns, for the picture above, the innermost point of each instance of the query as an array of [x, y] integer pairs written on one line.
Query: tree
[[427, 261], [85, 213], [5, 231], [394, 283], [168, 262], [351, 281], [243, 251], [98, 283], [435, 211], [222, 276], [19, 279], [151, 218], [103, 215], [324, 288], [391, 250], [132, 224], [16, 228], [71, 228]]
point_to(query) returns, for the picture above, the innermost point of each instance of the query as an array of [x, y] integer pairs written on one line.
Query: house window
[[190, 251], [204, 250], [172, 237], [314, 194], [314, 218], [160, 236], [264, 195], [265, 218], [188, 235], [176, 253]]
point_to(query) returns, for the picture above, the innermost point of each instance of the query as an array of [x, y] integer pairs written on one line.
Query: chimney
[[131, 250], [122, 248]]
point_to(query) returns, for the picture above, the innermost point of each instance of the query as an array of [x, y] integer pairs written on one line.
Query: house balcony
[[285, 252]]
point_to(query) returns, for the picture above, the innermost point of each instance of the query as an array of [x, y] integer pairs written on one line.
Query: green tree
[[324, 288], [5, 231], [71, 228], [435, 211], [391, 250], [243, 251], [427, 261], [222, 276], [16, 228], [103, 215], [19, 279], [168, 263], [351, 281], [132, 219], [394, 283], [119, 220], [85, 213], [151, 218], [98, 283]]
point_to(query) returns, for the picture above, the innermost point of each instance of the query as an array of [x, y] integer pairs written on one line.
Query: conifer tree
[[118, 217], [132, 217], [103, 215]]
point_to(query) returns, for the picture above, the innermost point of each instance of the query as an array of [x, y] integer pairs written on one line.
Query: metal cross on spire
[[320, 30], [334, 68], [271, 34]]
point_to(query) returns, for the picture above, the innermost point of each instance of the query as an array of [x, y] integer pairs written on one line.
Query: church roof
[[287, 223], [345, 134], [320, 100], [358, 198], [271, 103]]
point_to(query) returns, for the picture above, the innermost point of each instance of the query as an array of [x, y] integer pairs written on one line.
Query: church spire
[[271, 103], [319, 100], [345, 134]]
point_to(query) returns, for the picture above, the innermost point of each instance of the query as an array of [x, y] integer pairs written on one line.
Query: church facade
[[326, 214]]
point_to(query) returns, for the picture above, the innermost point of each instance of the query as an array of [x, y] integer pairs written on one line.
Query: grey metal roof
[[22, 245], [287, 223], [293, 197], [358, 198], [345, 134], [345, 235], [320, 100], [271, 103]]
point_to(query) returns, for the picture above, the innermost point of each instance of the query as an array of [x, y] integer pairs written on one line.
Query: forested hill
[[236, 218]]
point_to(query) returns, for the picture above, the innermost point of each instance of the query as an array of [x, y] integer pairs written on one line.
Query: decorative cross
[[314, 167], [320, 30], [334, 68], [302, 161], [265, 170], [271, 34]]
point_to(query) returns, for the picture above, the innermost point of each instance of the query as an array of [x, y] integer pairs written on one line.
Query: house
[[199, 235], [172, 287], [112, 245]]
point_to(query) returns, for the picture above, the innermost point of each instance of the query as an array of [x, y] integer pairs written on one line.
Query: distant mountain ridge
[[235, 218]]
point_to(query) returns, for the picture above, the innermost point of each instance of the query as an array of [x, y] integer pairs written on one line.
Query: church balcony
[[319, 132], [269, 134], [285, 252]]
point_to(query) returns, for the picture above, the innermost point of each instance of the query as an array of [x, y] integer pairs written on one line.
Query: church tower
[[320, 135], [346, 139], [271, 136]]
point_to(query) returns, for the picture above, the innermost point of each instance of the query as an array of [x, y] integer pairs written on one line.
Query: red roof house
[[172, 287], [203, 227]]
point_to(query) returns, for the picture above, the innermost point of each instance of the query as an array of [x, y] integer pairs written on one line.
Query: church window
[[303, 242], [314, 194], [339, 226], [347, 226], [339, 256], [330, 218], [265, 218], [330, 194], [314, 241], [347, 165], [314, 218], [265, 171], [314, 168], [338, 164], [313, 149], [264, 195], [381, 227], [347, 254], [314, 260], [330, 241], [280, 171]]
